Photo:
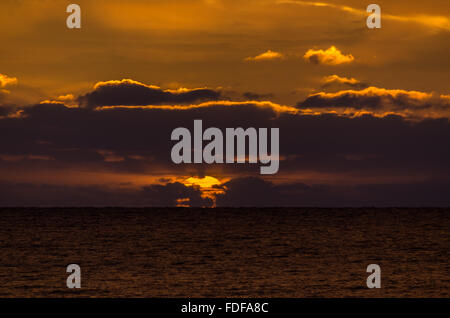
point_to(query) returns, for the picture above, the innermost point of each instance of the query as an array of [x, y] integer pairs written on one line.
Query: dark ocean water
[[224, 252]]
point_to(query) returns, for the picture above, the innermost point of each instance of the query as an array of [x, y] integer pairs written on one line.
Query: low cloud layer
[[155, 195], [238, 192], [321, 142], [253, 191], [325, 156]]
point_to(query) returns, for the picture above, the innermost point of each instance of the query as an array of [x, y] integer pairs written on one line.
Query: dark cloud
[[132, 93], [256, 96], [32, 195], [170, 194], [255, 192], [249, 191], [6, 109], [374, 98]]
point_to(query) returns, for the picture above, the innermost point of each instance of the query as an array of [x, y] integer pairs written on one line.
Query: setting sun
[[205, 182]]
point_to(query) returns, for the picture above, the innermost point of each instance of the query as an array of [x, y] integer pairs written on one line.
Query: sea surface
[[224, 252]]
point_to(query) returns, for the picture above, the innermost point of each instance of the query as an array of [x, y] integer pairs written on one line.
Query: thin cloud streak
[[434, 22], [266, 56]]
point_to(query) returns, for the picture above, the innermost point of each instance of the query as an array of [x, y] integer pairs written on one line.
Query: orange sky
[[196, 43]]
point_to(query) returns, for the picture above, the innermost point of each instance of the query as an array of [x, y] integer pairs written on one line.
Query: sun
[[205, 182]]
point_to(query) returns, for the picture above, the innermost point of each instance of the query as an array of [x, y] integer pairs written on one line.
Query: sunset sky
[[86, 114]]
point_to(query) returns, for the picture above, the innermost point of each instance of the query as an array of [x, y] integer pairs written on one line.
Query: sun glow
[[205, 182]]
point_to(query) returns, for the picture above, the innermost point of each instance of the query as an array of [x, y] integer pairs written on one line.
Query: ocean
[[246, 252]]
